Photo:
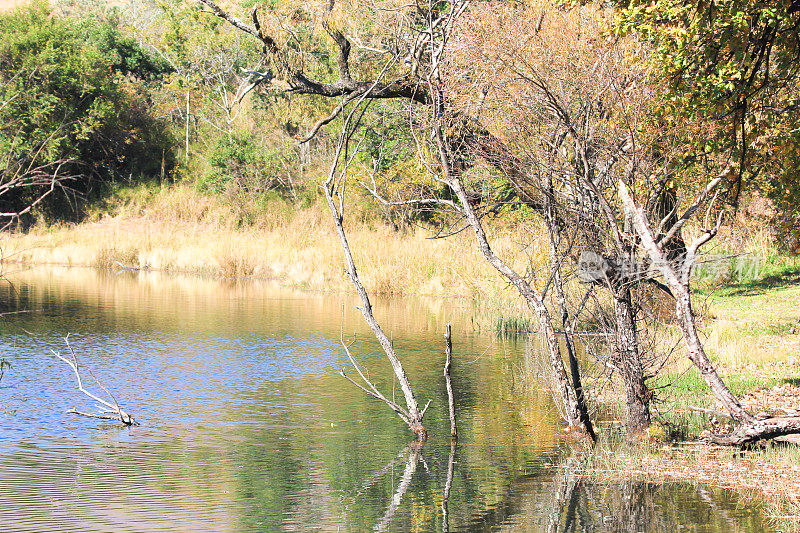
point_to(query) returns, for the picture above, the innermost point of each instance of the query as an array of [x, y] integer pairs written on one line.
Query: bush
[[240, 165], [73, 98]]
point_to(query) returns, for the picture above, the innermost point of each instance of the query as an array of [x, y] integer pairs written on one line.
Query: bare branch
[[373, 391], [335, 113], [690, 211], [121, 415], [218, 11]]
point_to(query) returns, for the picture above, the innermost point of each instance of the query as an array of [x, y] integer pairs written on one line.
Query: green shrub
[[240, 165], [73, 100]]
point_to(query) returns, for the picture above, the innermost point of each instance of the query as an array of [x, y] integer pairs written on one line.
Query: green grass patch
[[780, 328]]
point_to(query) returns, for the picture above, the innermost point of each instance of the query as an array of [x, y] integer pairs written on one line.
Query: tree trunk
[[629, 363], [697, 355], [750, 429]]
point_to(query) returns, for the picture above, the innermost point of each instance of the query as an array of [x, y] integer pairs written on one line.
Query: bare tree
[[334, 189], [567, 101], [677, 274]]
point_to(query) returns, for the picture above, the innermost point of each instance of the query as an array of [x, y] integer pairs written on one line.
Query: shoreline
[[769, 476], [307, 258], [750, 333]]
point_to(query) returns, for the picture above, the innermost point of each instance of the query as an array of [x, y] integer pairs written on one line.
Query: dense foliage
[[736, 64], [240, 165], [73, 101]]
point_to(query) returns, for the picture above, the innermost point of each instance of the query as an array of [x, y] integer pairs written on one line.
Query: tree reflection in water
[[577, 504], [560, 500]]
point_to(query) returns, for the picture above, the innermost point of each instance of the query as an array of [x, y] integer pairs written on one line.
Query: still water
[[247, 426]]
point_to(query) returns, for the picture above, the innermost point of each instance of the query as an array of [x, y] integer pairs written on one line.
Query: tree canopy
[[736, 64]]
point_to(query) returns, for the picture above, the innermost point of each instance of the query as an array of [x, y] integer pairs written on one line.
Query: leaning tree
[[586, 154]]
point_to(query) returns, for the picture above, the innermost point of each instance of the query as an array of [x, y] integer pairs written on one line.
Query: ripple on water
[[246, 425]]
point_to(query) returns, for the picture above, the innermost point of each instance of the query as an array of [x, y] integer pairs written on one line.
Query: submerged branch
[[114, 407]]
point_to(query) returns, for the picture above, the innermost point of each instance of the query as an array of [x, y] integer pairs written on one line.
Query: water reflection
[[246, 425]]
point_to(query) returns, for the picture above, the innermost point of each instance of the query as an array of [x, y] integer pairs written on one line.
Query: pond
[[246, 424]]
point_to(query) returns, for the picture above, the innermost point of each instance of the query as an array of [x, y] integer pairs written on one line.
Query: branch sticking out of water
[[108, 411], [3, 365], [372, 390], [448, 362]]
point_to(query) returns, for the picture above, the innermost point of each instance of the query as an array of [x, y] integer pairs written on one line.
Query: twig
[[121, 415]]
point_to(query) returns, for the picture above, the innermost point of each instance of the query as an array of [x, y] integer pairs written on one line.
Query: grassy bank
[[752, 332], [177, 229], [752, 325]]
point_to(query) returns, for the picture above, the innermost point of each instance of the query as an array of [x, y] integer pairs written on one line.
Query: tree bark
[[637, 395], [569, 337]]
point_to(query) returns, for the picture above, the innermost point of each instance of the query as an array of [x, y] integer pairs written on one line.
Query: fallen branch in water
[[104, 413], [334, 190]]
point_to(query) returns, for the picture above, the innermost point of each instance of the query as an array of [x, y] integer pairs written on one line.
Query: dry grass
[[179, 230]]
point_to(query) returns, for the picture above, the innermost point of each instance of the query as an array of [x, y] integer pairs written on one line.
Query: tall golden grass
[[177, 229]]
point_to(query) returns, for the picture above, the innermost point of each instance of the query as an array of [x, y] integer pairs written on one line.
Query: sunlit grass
[[177, 229]]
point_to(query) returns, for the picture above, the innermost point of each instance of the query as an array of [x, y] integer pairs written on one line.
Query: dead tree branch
[[107, 407], [372, 390], [450, 401], [676, 273]]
